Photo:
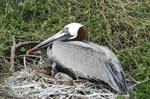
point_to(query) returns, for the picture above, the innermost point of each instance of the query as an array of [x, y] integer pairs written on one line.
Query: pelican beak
[[60, 36]]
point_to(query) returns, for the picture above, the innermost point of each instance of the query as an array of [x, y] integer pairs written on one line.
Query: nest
[[27, 83], [33, 81]]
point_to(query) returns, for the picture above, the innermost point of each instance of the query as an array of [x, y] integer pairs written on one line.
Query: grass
[[122, 25]]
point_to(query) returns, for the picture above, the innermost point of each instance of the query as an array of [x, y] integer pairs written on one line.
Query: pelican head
[[72, 31]]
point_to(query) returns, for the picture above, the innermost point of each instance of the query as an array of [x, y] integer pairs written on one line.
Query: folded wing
[[91, 61]]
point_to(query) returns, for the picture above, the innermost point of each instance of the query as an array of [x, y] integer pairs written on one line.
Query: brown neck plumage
[[82, 33]]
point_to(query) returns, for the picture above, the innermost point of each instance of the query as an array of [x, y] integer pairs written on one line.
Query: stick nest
[[32, 82]]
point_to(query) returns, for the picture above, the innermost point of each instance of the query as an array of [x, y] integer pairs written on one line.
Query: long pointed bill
[[59, 37]]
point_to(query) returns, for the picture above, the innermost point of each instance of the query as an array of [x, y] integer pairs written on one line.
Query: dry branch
[[22, 44], [17, 46], [138, 83], [9, 96], [12, 56]]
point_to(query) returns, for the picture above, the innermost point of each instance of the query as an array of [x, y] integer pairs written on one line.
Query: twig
[[12, 56], [34, 56], [9, 96], [133, 79], [15, 47], [138, 83], [96, 2], [26, 43], [24, 62]]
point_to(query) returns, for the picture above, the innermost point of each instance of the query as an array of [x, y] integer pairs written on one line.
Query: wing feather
[[90, 61]]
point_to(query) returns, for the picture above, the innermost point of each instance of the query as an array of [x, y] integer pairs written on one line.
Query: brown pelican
[[79, 58]]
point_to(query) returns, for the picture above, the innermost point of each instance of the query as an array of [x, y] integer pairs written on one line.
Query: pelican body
[[77, 57]]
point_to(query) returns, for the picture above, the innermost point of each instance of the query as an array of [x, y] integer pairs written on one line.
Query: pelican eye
[[65, 30]]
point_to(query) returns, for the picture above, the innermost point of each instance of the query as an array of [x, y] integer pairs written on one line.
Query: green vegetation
[[122, 25]]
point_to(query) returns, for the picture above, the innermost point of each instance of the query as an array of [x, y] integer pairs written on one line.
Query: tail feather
[[118, 77]]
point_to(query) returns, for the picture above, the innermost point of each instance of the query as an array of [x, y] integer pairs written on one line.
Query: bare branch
[[138, 83], [15, 47], [9, 96], [26, 43], [12, 56]]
